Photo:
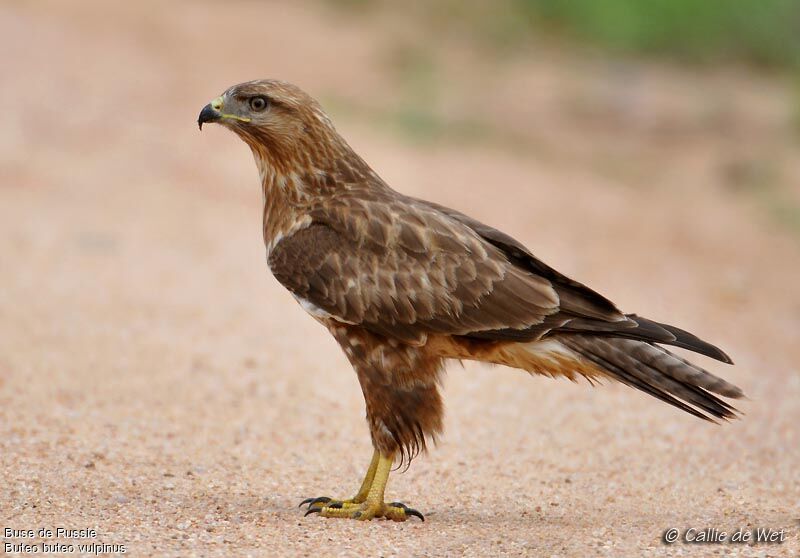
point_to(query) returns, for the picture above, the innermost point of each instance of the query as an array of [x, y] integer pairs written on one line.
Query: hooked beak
[[208, 114], [213, 112]]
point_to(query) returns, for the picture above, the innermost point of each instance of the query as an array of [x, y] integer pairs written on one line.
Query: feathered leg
[[404, 409]]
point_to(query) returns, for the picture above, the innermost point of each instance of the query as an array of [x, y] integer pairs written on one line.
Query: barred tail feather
[[657, 372]]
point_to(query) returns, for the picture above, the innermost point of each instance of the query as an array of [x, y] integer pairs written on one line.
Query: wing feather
[[408, 271]]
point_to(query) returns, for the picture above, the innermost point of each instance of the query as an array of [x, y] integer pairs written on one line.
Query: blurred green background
[[765, 33], [761, 32]]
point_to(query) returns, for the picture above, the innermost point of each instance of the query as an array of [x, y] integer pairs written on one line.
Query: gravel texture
[[159, 386]]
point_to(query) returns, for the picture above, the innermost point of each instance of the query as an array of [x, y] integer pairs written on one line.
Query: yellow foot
[[323, 501], [365, 511], [368, 502]]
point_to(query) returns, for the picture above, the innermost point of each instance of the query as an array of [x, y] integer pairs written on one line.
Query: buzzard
[[405, 284]]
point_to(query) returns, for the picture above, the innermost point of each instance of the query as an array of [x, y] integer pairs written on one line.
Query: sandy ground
[[159, 386]]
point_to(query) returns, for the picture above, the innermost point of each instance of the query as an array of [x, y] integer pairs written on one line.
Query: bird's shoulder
[[383, 219]]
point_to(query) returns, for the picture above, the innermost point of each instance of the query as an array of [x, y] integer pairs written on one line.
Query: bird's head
[[285, 127]]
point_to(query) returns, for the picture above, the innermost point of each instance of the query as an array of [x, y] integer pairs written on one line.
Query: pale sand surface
[[158, 385]]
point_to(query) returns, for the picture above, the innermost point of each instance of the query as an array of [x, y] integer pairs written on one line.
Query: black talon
[[312, 501], [312, 510], [407, 510], [335, 506], [415, 513]]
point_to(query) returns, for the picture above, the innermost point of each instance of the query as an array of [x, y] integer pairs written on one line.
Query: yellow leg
[[373, 505], [361, 495]]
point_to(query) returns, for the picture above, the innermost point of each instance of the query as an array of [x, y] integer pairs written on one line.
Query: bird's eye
[[259, 103]]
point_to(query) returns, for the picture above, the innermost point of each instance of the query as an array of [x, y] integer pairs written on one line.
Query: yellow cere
[[218, 103]]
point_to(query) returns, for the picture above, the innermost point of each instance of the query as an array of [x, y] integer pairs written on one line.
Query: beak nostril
[[216, 104]]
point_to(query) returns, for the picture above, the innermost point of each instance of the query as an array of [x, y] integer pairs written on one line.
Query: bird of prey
[[404, 285]]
